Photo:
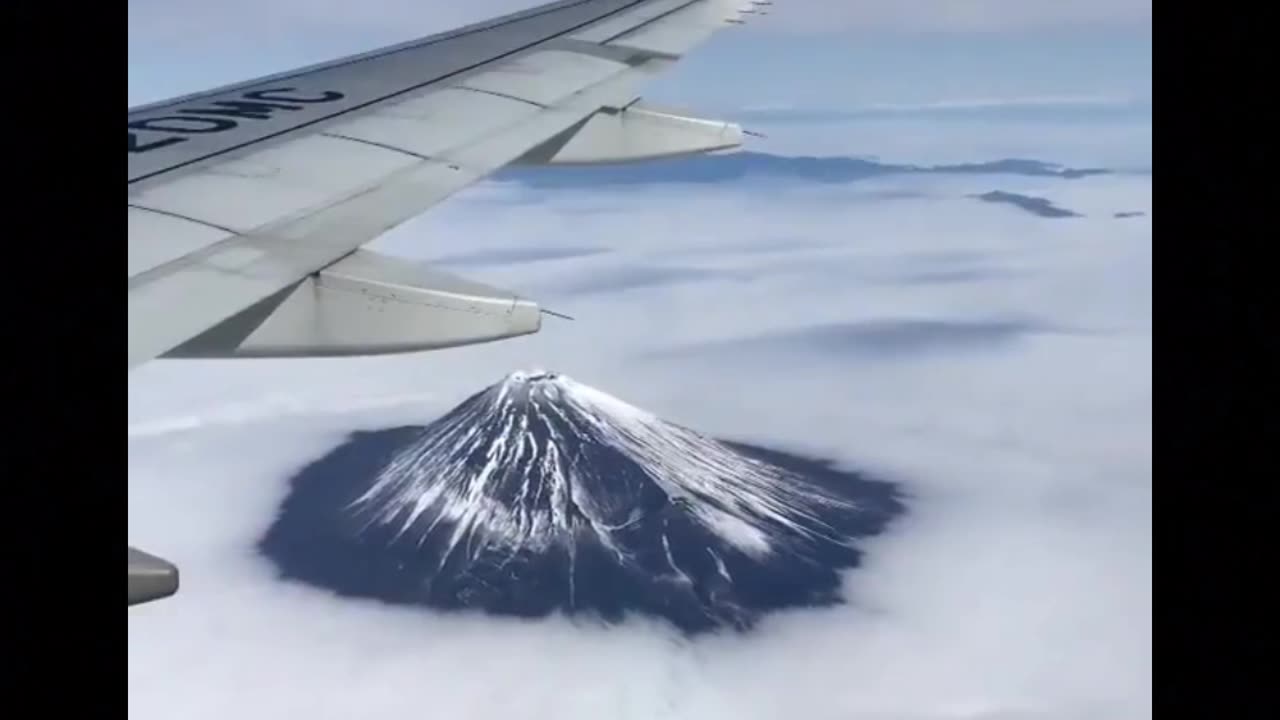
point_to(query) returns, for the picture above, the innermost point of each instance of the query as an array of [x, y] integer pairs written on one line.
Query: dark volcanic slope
[[541, 495]]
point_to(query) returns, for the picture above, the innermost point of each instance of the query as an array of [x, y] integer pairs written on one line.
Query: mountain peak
[[543, 386], [541, 494], [533, 377]]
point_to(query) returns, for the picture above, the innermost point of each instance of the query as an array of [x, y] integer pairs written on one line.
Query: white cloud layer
[[1019, 587]]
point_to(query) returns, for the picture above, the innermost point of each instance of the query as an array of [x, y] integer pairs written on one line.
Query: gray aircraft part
[[150, 577]]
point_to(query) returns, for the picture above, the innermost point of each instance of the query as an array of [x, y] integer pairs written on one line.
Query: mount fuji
[[541, 495]]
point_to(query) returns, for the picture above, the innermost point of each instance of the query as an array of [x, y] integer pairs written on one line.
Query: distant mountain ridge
[[756, 165], [1032, 204]]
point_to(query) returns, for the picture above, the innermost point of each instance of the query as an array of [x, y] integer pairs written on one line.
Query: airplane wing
[[249, 204]]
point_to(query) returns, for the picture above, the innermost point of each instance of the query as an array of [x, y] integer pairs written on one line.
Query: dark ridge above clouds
[[1034, 205], [756, 165]]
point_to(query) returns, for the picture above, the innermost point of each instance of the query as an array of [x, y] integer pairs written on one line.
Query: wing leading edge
[[248, 203]]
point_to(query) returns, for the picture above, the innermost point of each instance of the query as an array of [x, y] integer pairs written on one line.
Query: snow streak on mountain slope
[[540, 494]]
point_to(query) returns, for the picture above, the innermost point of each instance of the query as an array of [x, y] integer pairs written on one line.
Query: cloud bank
[[994, 363]]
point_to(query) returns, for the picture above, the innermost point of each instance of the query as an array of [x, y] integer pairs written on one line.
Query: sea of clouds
[[996, 363]]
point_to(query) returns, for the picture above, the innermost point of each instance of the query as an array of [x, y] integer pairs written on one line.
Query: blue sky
[[808, 53], [836, 71], [930, 81]]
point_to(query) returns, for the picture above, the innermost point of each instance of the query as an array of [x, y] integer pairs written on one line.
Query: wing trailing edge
[[369, 304], [636, 133]]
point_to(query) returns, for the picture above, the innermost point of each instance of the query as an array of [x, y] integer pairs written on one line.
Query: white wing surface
[[247, 204]]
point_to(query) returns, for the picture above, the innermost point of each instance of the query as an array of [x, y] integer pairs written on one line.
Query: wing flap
[[369, 304], [638, 132]]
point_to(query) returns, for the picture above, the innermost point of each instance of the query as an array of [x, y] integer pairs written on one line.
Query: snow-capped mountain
[[540, 494]]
